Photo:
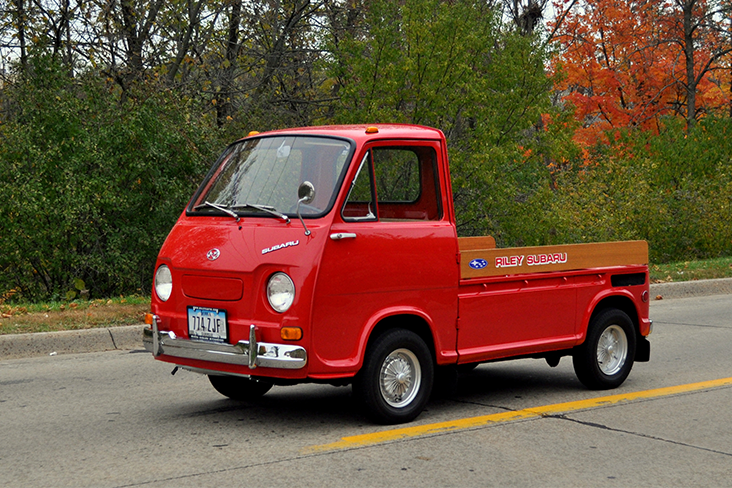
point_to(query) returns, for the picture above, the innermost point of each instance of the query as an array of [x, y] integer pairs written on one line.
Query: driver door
[[391, 252]]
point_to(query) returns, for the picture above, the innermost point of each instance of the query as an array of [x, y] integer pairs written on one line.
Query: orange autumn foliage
[[624, 64]]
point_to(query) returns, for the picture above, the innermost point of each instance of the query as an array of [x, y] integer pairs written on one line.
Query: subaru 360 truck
[[330, 255]]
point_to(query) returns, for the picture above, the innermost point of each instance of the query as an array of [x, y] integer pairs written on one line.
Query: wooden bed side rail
[[480, 263], [475, 243]]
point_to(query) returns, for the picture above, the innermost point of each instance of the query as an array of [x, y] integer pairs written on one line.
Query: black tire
[[396, 379], [240, 388], [606, 357]]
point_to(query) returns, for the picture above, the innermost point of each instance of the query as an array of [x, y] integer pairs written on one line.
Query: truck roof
[[360, 134]]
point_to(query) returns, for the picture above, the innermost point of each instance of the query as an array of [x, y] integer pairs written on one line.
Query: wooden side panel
[[475, 243], [481, 263]]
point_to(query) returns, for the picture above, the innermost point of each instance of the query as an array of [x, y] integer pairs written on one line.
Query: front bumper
[[244, 353]]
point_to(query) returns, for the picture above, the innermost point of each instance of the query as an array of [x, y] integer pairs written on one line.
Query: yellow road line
[[528, 413]]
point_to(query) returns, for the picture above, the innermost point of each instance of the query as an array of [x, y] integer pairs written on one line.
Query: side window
[[406, 186], [397, 175]]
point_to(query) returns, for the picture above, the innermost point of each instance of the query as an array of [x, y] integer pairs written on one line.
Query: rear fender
[[619, 298]]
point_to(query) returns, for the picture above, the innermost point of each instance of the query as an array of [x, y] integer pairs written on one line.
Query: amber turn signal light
[[148, 318], [291, 333]]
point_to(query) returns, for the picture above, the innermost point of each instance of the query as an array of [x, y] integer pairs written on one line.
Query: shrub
[[673, 189], [91, 181]]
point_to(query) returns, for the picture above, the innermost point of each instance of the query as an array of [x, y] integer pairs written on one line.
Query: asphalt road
[[120, 419]]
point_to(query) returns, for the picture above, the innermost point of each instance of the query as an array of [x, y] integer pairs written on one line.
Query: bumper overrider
[[244, 353]]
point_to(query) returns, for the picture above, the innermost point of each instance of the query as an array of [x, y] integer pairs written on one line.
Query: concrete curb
[[689, 289], [15, 346]]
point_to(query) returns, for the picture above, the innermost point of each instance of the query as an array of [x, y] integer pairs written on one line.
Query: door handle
[[343, 235]]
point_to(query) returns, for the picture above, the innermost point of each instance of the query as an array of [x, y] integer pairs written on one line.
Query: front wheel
[[605, 359], [240, 388], [395, 382]]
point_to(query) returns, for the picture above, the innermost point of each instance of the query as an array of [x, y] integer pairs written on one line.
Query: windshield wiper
[[264, 208], [217, 207]]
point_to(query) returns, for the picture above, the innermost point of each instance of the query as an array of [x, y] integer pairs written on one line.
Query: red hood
[[220, 245]]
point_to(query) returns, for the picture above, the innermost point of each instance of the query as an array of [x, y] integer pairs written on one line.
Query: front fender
[[409, 317]]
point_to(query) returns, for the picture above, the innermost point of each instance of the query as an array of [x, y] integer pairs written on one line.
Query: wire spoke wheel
[[395, 382], [400, 378], [612, 350], [606, 357]]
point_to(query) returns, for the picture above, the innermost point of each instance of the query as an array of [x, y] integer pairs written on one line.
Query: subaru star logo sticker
[[478, 263], [213, 254]]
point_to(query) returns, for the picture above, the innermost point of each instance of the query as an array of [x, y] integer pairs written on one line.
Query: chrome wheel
[[612, 350], [395, 381], [606, 357], [400, 378]]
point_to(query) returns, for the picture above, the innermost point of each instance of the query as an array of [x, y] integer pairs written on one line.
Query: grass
[[691, 270], [130, 310], [23, 318]]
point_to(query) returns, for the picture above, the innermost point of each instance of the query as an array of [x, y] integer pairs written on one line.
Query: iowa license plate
[[207, 324]]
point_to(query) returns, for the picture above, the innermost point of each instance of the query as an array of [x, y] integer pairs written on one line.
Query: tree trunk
[[20, 25], [194, 10], [691, 83], [224, 104], [136, 34]]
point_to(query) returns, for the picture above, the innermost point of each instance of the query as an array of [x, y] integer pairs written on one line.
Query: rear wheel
[[605, 359], [395, 382], [240, 388]]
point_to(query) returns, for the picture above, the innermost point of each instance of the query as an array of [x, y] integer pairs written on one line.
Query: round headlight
[[280, 292], [163, 282]]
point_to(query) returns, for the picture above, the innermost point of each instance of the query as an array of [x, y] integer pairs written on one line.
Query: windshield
[[261, 176]]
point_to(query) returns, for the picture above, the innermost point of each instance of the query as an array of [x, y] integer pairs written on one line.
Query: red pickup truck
[[330, 255]]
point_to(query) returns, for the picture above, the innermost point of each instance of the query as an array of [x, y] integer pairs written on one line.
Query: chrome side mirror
[[305, 194]]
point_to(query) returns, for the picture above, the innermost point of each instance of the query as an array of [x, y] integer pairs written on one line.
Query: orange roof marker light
[[253, 133], [372, 130]]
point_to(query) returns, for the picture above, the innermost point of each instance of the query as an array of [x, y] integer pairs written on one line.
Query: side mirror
[[305, 194]]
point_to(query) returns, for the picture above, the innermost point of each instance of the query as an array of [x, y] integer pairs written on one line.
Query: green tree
[[457, 66]]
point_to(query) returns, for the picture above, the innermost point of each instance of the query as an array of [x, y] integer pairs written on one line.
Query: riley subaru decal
[[530, 260]]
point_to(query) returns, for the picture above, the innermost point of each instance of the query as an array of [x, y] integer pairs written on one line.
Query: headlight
[[280, 292], [163, 282]]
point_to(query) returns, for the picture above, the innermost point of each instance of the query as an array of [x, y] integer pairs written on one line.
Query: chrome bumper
[[244, 353]]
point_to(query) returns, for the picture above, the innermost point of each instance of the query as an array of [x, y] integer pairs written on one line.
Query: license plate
[[207, 324]]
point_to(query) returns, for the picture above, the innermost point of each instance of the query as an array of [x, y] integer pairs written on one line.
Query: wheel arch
[[621, 302], [405, 320]]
